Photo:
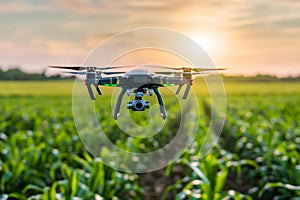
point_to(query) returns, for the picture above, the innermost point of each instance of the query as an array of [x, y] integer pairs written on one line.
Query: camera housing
[[138, 105]]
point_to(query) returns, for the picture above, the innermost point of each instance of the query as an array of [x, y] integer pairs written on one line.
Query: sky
[[247, 37]]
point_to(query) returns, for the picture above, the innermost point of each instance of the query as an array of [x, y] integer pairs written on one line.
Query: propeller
[[75, 73], [187, 69], [165, 73], [83, 73], [76, 68], [182, 73], [79, 68]]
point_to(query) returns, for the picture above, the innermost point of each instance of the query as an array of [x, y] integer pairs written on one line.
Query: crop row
[[257, 155]]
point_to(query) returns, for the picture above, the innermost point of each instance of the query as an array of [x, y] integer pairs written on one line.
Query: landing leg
[[161, 103], [186, 92], [118, 105], [98, 89], [178, 89], [92, 95]]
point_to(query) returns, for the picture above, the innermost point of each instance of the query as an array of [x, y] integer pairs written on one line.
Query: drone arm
[[109, 81], [178, 89], [186, 92], [118, 105], [161, 103]]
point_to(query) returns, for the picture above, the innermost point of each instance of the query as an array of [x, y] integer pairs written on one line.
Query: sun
[[213, 42], [205, 41]]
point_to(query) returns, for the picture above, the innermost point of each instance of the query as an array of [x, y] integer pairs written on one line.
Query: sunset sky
[[248, 37]]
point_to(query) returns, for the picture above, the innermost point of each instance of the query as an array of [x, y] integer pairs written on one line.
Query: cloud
[[93, 40], [39, 54], [72, 27], [21, 7]]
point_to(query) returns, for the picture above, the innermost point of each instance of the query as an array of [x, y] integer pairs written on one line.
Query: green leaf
[[278, 184], [32, 187], [17, 196]]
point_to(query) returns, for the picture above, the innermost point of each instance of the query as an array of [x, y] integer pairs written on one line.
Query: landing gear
[[161, 103], [118, 105]]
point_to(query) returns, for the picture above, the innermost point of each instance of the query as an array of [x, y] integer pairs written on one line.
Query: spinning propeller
[[79, 70], [188, 70]]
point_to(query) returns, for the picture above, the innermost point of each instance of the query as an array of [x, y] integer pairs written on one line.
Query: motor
[[138, 105]]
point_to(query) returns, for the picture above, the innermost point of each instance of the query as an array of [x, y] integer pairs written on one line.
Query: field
[[65, 88], [256, 157]]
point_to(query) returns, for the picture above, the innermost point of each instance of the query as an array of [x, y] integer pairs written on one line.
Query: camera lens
[[139, 105]]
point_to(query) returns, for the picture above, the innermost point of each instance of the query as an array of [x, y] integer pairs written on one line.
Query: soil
[[156, 182]]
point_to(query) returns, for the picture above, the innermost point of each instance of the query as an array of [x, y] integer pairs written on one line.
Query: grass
[[36, 88], [65, 88]]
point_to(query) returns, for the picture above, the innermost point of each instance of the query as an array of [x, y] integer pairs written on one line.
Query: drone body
[[139, 83]]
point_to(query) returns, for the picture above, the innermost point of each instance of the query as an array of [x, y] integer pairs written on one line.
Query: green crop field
[[65, 88], [257, 155]]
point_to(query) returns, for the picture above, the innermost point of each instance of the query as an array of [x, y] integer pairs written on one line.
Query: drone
[[138, 82]]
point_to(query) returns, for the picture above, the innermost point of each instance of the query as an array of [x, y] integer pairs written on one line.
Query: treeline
[[17, 74], [260, 78]]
